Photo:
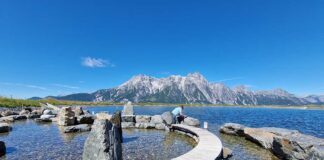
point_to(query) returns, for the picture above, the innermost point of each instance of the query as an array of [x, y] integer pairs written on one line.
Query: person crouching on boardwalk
[[178, 115]]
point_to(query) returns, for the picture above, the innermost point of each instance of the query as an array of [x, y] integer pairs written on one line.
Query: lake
[[30, 140]]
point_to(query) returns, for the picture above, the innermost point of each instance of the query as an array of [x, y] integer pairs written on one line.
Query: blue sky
[[60, 47]]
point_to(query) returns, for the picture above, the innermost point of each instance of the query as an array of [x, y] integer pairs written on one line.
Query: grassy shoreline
[[12, 103]]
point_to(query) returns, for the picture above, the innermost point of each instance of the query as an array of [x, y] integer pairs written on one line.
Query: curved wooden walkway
[[209, 146]]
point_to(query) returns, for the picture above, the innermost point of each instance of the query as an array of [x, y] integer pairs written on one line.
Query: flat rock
[[167, 118], [5, 127], [77, 128], [259, 136], [191, 121], [8, 113], [232, 129], [142, 119], [7, 119]]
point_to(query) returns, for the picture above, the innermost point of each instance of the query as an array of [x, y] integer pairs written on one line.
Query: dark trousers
[[179, 119]]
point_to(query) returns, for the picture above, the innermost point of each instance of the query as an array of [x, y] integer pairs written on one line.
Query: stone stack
[[104, 140], [66, 117]]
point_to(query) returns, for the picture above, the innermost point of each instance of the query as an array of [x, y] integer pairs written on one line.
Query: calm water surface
[[30, 140]]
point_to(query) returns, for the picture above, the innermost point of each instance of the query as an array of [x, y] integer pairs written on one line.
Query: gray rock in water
[[128, 109], [19, 117], [167, 118], [128, 118], [77, 128], [47, 116], [191, 121], [46, 120], [78, 111], [8, 113], [142, 119], [160, 126], [128, 124], [156, 119], [86, 119], [145, 125], [298, 146], [3, 149], [66, 117], [259, 136], [48, 112], [25, 112], [226, 153], [5, 127], [232, 129], [7, 119], [102, 142]]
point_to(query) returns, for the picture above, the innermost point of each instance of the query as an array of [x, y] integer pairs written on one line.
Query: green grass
[[8, 102]]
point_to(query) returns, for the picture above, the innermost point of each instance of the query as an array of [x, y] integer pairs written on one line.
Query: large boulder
[[77, 128], [167, 118], [191, 121], [160, 126], [156, 119], [8, 113], [142, 119], [128, 124], [78, 111], [47, 116], [259, 136], [7, 119], [232, 129], [102, 142], [145, 125], [5, 127], [48, 112], [3, 149], [298, 146], [66, 117], [85, 119], [103, 115], [128, 118], [25, 112], [128, 109]]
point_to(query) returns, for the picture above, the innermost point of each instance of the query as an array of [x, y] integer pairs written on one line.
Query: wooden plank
[[209, 146]]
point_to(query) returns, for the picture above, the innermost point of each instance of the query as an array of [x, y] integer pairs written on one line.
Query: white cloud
[[24, 85], [96, 62], [65, 86]]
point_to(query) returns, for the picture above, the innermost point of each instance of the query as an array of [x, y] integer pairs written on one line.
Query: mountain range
[[193, 88]]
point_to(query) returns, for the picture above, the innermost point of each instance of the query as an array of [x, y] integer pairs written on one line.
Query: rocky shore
[[284, 143]]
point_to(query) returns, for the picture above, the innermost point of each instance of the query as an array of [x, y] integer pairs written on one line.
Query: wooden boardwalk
[[209, 146]]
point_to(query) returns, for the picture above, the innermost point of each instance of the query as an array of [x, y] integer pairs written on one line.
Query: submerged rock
[[5, 127], [226, 153], [77, 128], [3, 149], [284, 143]]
